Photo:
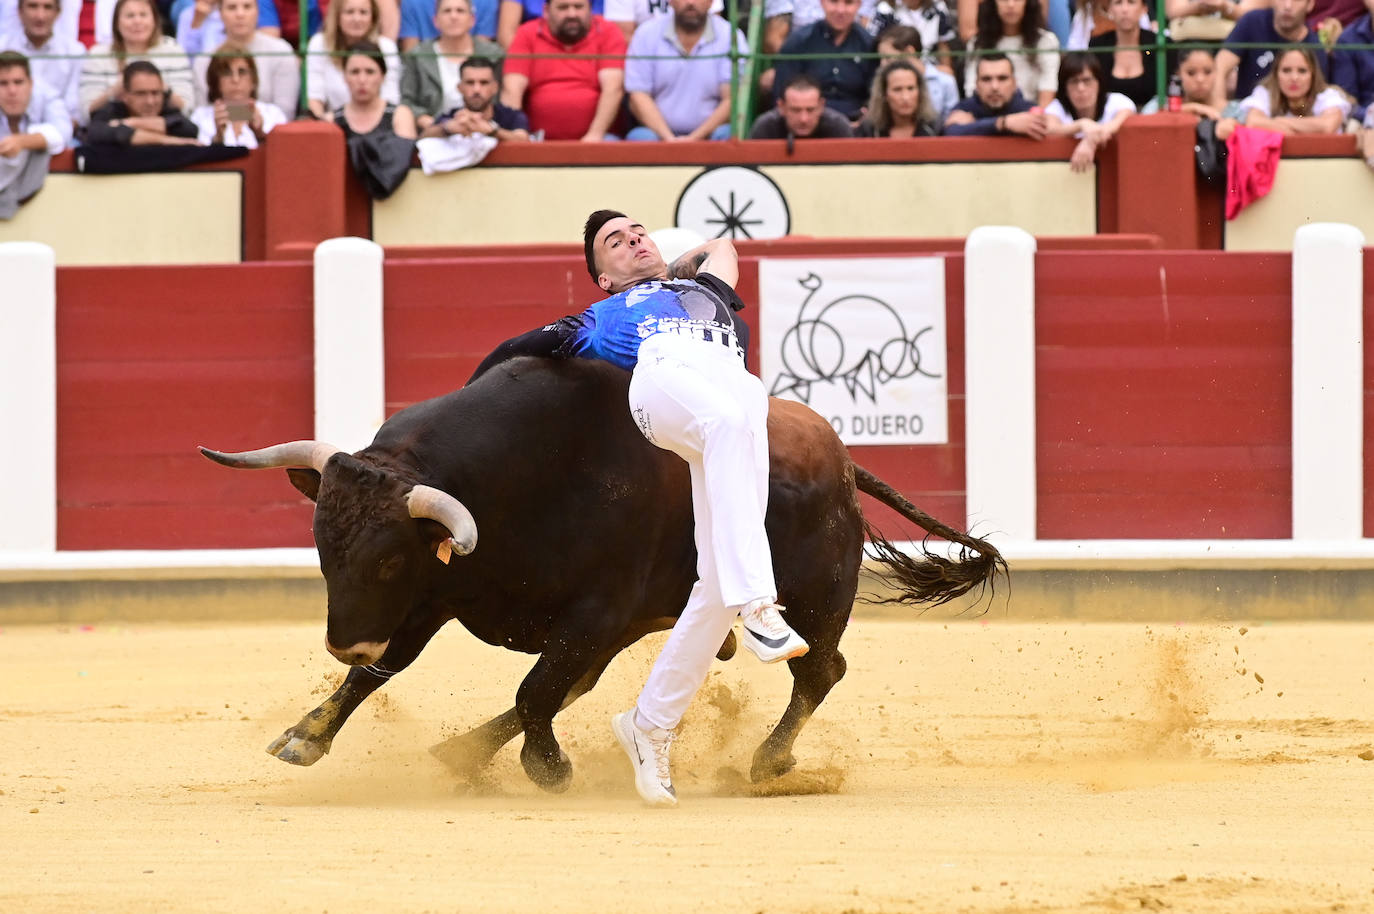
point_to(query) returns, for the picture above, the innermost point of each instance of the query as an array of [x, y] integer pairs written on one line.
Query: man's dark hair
[[594, 223], [477, 63], [990, 58], [801, 81], [901, 36], [135, 67], [10, 59]]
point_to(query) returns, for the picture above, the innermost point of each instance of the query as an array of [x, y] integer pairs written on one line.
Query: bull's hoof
[[767, 766], [728, 646], [550, 775], [296, 750]]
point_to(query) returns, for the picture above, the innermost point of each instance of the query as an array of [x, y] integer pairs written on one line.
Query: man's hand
[[1026, 123], [958, 117], [10, 146], [593, 136]]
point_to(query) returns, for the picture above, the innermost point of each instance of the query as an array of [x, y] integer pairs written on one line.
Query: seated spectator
[[34, 126], [1295, 99], [684, 93], [279, 71], [514, 13], [1285, 24], [143, 115], [1084, 108], [429, 84], [137, 36], [380, 134], [1014, 27], [1352, 69], [1092, 18], [628, 15], [802, 14], [66, 24], [347, 23], [844, 79], [1205, 20], [418, 22], [929, 19], [234, 116], [997, 107], [899, 105], [1196, 74], [1134, 65], [480, 113], [570, 98], [54, 59], [905, 42], [801, 114]]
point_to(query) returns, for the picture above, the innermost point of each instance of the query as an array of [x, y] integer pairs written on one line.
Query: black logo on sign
[[813, 350]]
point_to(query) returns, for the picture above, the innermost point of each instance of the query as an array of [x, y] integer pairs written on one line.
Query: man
[[514, 12], [628, 15], [34, 125], [417, 21], [845, 79], [1352, 69], [675, 329], [279, 70], [568, 98], [801, 114], [481, 114], [1285, 23], [429, 82], [997, 107], [143, 116], [55, 60], [684, 92]]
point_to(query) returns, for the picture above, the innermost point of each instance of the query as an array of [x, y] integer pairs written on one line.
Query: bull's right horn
[[312, 454], [438, 505]]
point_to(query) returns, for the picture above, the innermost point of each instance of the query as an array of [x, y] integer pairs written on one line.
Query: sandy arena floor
[[985, 766]]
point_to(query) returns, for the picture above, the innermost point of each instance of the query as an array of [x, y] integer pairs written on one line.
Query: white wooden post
[[350, 364]]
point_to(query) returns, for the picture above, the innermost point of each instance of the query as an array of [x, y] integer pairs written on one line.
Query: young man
[[481, 113], [997, 107], [34, 124], [54, 58], [144, 116], [676, 331], [801, 113]]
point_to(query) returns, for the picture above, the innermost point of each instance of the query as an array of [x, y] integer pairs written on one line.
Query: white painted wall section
[[999, 365], [28, 398], [1328, 383], [350, 370]]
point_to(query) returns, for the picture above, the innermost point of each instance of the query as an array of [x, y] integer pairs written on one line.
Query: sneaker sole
[[793, 654]]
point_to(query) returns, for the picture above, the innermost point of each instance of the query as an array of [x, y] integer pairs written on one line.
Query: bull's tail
[[931, 578]]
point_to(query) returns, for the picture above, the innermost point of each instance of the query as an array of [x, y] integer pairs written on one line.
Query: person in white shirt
[[1014, 27], [347, 23], [1295, 99], [137, 36], [234, 116], [54, 60], [32, 120], [1084, 109], [236, 22]]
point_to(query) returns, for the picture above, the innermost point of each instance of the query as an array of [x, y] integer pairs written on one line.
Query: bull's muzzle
[[360, 654]]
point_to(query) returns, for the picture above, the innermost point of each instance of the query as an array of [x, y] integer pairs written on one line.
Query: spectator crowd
[[198, 73]]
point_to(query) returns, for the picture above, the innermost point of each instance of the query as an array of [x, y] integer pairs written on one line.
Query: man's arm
[[508, 20], [1227, 61], [612, 80], [717, 257], [545, 342], [717, 117], [646, 112], [513, 87]]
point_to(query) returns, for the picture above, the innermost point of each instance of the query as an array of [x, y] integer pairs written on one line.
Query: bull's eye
[[391, 567]]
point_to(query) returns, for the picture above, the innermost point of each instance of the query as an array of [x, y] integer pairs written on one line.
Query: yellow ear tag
[[445, 551]]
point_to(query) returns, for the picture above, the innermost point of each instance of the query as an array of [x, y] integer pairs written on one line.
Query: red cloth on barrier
[[1252, 158]]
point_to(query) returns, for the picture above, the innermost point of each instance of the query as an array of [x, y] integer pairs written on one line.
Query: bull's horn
[[291, 454], [436, 504]]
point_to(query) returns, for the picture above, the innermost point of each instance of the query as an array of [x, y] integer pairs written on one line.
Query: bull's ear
[[307, 482]]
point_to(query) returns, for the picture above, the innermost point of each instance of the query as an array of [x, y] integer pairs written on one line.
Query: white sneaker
[[770, 638], [648, 752]]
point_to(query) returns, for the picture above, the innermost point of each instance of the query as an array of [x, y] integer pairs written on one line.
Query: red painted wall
[[220, 356]]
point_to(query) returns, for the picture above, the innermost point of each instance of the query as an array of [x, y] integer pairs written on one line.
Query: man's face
[[240, 18], [801, 108], [625, 254], [691, 14], [16, 88], [453, 18], [995, 84], [839, 14], [1290, 15], [569, 20], [144, 95], [37, 17], [478, 87]]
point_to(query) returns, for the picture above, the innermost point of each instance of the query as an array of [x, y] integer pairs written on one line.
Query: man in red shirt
[[569, 98]]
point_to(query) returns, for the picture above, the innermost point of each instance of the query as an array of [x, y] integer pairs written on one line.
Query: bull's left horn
[[312, 454], [438, 505]]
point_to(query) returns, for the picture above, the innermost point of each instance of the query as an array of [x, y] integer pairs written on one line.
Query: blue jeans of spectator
[[643, 134]]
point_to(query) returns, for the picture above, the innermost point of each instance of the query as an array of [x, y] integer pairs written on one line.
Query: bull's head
[[373, 530]]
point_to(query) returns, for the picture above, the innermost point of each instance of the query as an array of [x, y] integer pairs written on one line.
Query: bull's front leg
[[310, 739]]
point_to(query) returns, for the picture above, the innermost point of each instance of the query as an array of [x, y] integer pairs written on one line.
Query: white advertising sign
[[861, 341]]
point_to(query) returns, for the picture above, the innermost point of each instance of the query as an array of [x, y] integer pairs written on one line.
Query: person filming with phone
[[234, 116]]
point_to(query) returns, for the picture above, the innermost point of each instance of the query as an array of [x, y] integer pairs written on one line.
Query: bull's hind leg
[[309, 741]]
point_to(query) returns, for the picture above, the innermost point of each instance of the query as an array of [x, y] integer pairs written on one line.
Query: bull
[[586, 546]]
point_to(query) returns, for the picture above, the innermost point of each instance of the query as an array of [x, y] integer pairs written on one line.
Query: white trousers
[[696, 399]]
